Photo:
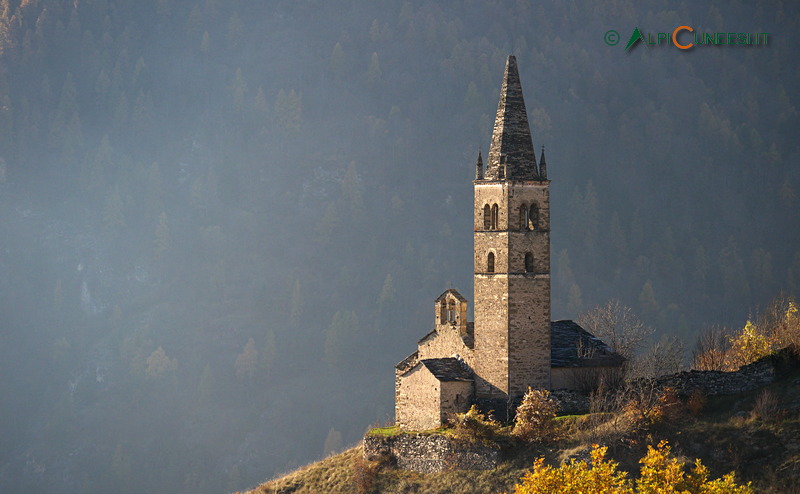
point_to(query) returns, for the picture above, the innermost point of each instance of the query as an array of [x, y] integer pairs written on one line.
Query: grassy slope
[[765, 452]]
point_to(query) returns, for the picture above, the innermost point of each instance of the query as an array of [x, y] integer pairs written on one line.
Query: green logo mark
[[636, 36]]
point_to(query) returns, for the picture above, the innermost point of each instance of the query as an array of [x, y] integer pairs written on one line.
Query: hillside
[[729, 434]]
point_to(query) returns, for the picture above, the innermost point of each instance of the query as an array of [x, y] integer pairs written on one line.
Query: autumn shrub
[[364, 475], [776, 327], [696, 402], [749, 345], [660, 473], [596, 476], [535, 419], [606, 421], [766, 406], [669, 404], [787, 322], [645, 402], [474, 426]]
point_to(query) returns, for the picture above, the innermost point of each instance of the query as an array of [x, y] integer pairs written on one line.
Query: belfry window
[[490, 263], [451, 312], [442, 312], [494, 217], [523, 217], [487, 217], [533, 217], [528, 262]]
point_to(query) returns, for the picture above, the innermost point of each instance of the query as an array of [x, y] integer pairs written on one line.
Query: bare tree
[[711, 349], [618, 326], [667, 356]]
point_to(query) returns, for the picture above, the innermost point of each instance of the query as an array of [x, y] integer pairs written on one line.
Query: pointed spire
[[479, 167], [542, 166], [511, 154]]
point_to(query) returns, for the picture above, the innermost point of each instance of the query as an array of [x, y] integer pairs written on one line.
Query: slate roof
[[448, 369], [567, 337], [511, 139], [408, 362]]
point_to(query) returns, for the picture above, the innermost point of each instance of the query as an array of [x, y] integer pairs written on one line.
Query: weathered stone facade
[[512, 297], [508, 348], [425, 400]]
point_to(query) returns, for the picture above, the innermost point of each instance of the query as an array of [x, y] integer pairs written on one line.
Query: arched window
[[528, 262], [487, 217], [442, 312], [494, 217], [533, 217], [490, 263], [523, 217], [451, 311]]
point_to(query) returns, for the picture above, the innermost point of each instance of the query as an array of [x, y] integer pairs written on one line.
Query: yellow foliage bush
[[660, 473], [778, 326], [749, 345], [535, 416], [474, 426]]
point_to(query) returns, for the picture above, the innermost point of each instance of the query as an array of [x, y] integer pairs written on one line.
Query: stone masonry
[[430, 453], [512, 296], [508, 348]]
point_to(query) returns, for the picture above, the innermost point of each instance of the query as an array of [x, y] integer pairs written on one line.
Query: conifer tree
[[161, 243], [247, 361], [374, 73]]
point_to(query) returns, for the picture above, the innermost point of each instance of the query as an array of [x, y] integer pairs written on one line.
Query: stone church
[[512, 344]]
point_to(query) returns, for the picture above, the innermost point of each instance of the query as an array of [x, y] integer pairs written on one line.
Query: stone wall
[[444, 342], [710, 383], [749, 377], [430, 453], [417, 400], [455, 397]]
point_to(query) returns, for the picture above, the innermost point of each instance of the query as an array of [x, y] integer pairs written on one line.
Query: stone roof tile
[[573, 346], [448, 369]]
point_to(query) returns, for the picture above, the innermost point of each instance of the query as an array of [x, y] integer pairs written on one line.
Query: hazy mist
[[223, 223]]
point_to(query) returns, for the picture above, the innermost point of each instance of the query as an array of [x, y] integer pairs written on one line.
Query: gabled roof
[[448, 369], [573, 346], [452, 291], [407, 363], [427, 335], [468, 338]]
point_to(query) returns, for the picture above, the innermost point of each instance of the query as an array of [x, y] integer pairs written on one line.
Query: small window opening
[[523, 217], [528, 262], [533, 217]]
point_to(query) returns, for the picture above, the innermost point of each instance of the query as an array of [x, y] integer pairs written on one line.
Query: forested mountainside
[[222, 223]]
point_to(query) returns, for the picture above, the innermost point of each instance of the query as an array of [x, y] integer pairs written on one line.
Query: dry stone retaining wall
[[430, 453]]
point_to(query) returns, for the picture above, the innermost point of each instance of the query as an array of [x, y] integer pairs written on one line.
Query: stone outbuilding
[[436, 388]]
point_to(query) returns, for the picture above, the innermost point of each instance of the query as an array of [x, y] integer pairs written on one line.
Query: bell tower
[[512, 255]]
